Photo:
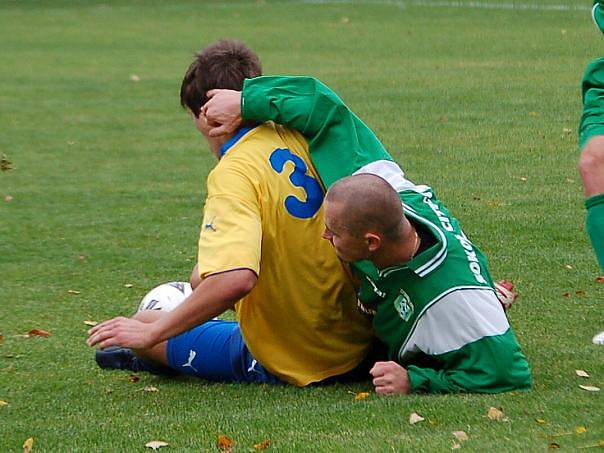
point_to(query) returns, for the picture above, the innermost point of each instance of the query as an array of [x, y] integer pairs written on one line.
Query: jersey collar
[[240, 133]]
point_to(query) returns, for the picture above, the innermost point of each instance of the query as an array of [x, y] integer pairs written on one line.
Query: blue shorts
[[215, 351]]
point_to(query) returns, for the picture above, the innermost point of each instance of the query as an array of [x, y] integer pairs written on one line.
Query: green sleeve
[[339, 142], [489, 365]]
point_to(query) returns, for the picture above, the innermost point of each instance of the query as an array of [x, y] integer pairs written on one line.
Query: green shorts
[[592, 87]]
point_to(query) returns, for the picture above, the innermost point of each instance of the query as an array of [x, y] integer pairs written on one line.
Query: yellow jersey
[[264, 212]]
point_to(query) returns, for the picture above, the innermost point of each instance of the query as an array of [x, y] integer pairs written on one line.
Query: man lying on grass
[[428, 287]]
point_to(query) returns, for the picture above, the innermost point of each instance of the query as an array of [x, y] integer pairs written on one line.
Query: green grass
[[469, 100]]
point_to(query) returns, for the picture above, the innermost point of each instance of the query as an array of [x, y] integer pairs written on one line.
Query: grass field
[[479, 100]]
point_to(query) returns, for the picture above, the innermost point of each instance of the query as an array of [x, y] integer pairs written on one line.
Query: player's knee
[[591, 162]]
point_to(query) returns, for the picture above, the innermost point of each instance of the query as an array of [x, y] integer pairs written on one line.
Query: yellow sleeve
[[231, 230]]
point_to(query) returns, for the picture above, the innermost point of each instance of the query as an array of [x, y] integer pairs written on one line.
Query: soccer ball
[[166, 297]]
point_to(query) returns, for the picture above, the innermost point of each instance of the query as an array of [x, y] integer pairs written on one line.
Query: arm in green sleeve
[[339, 142], [489, 365]]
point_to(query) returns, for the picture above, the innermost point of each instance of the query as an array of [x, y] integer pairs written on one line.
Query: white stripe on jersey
[[392, 173], [461, 316]]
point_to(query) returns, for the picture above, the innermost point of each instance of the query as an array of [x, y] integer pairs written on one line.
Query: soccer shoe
[[118, 358], [504, 289]]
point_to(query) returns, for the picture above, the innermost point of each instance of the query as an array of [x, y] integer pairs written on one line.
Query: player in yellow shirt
[[260, 251]]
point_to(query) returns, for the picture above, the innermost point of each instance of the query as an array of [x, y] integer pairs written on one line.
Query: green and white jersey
[[438, 314], [440, 308]]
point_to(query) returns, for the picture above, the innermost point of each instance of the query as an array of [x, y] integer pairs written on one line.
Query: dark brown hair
[[224, 64]]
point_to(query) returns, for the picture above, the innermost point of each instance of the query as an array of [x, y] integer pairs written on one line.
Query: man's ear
[[373, 241]]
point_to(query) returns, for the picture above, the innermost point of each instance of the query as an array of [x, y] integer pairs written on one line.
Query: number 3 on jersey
[[299, 178]]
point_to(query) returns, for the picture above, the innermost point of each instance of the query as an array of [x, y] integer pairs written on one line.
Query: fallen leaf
[[553, 445], [567, 130], [600, 279], [345, 20], [599, 444], [590, 388], [8, 198], [73, 292], [3, 403], [91, 323], [225, 444], [1, 338], [540, 421], [494, 203], [580, 293], [135, 78], [581, 373], [38, 333], [156, 444], [580, 429], [262, 445], [361, 396], [81, 257], [415, 418], [133, 378], [70, 142], [570, 180], [533, 114], [5, 164], [456, 446], [495, 414], [28, 445], [150, 389], [566, 294], [523, 179], [460, 435], [568, 266], [128, 285]]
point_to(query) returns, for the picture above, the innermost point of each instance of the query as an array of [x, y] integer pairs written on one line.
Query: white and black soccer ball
[[166, 297]]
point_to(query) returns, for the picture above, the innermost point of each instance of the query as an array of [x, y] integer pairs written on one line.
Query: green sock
[[595, 225]]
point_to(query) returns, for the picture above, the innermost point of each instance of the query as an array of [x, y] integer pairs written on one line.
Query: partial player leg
[[591, 162]]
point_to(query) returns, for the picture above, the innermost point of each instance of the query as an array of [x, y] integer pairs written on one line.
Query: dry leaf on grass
[[460, 435], [150, 389], [590, 388], [73, 292], [496, 414], [1, 338], [5, 164], [415, 418], [581, 373], [224, 443], [580, 293], [580, 429], [568, 266], [456, 446], [28, 445], [90, 323], [135, 78], [262, 445], [8, 198], [38, 333], [361, 396], [128, 285], [600, 279], [567, 130], [540, 421], [156, 444], [553, 445], [3, 403], [134, 378]]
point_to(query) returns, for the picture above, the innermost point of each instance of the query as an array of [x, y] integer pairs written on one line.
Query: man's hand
[[124, 332], [389, 378], [224, 109]]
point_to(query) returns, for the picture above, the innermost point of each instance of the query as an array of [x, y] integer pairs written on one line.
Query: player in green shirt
[[591, 143], [434, 303]]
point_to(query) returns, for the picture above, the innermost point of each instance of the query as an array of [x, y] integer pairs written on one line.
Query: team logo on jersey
[[210, 225], [403, 305]]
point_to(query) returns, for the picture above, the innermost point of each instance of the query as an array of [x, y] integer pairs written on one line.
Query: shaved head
[[368, 204]]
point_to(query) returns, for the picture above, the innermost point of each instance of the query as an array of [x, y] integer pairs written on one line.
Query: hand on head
[[223, 110]]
